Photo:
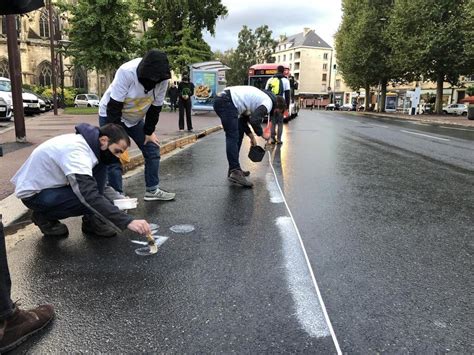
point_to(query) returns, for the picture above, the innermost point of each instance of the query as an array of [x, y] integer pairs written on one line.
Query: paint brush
[[152, 244]]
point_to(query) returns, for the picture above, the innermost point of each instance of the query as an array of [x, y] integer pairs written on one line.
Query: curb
[[13, 209]]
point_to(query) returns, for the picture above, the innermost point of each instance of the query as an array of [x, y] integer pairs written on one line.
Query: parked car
[[332, 107], [86, 100], [5, 114], [455, 109], [30, 102], [426, 108], [348, 107], [41, 101]]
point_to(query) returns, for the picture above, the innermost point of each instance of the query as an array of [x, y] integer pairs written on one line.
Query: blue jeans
[[233, 128], [151, 154], [6, 304], [57, 203]]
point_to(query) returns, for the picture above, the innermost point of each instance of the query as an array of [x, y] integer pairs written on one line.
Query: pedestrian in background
[[134, 101], [186, 91], [173, 96], [280, 86], [237, 107]]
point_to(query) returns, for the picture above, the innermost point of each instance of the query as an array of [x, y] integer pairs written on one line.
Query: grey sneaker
[[159, 195], [237, 176]]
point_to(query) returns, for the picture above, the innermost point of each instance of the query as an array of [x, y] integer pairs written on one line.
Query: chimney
[[306, 31]]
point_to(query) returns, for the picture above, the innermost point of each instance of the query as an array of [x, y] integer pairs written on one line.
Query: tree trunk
[[439, 94], [384, 95], [367, 97]]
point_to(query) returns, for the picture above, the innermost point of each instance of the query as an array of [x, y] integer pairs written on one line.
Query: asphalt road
[[384, 212]]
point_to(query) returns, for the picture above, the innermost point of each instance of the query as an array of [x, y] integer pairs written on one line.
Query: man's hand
[[153, 139], [253, 140], [139, 226]]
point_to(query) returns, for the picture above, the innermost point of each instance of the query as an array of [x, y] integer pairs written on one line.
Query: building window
[[297, 55], [297, 76], [4, 71], [290, 66], [278, 59], [297, 66], [44, 24], [323, 88], [291, 56], [338, 83], [284, 57], [325, 66], [325, 77], [4, 25], [325, 56], [80, 79], [45, 74]]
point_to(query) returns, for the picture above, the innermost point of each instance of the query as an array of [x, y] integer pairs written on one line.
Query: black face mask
[[107, 158]]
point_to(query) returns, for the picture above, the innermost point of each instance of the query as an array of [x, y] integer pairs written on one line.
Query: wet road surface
[[385, 217]]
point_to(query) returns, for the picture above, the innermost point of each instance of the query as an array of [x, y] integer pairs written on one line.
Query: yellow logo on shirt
[[136, 109]]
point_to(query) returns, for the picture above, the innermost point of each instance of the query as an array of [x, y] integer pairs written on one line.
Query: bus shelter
[[209, 80]]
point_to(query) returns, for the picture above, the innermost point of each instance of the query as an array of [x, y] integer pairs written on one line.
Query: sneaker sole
[[158, 199], [24, 338]]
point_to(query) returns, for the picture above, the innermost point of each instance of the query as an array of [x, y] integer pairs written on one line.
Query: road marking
[[379, 125], [459, 129], [426, 135], [303, 312], [354, 121], [275, 195]]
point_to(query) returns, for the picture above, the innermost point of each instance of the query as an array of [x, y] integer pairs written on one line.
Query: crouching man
[[65, 177]]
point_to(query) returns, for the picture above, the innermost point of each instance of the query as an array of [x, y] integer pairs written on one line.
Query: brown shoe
[[22, 324]]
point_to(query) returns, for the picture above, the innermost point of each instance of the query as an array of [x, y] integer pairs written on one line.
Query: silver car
[[86, 100]]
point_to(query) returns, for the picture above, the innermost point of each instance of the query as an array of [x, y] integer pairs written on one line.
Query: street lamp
[[63, 46]]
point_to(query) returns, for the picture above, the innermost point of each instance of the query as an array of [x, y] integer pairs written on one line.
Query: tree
[[253, 47], [101, 34], [265, 45], [177, 27], [428, 41], [363, 51]]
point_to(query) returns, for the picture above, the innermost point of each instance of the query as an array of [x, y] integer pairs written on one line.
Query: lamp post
[[63, 46]]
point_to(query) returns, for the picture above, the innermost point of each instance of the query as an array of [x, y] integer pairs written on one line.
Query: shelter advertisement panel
[[205, 89]]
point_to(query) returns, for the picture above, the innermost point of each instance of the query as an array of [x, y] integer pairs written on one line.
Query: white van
[[30, 101]]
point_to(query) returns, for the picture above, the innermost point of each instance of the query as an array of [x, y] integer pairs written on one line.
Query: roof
[[267, 66], [212, 65], [310, 40]]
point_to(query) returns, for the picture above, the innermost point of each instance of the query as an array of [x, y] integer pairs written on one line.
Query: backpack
[[275, 85]]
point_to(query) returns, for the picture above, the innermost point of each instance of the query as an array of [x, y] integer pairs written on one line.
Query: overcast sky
[[283, 17]]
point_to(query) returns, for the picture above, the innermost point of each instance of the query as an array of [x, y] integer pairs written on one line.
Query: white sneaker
[[159, 195]]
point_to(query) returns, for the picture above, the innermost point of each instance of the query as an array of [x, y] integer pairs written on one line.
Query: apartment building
[[312, 62]]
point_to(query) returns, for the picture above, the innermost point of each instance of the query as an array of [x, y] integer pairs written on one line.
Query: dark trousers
[[277, 126], [57, 203], [233, 128], [173, 105], [151, 154], [185, 105], [6, 304]]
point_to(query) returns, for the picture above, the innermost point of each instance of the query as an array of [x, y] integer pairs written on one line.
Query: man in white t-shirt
[[284, 90], [134, 100], [238, 106], [65, 177]]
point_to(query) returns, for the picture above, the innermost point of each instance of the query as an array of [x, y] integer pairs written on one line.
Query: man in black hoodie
[[65, 177], [134, 100]]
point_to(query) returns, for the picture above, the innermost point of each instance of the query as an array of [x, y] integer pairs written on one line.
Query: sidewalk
[[447, 120], [46, 126]]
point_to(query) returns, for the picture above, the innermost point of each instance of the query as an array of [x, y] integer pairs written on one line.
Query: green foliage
[[69, 94], [253, 47], [470, 90], [101, 34], [429, 41], [177, 28]]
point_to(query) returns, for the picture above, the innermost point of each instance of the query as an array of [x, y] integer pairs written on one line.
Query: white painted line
[[378, 125], [272, 187], [354, 121], [308, 264], [426, 135], [458, 129]]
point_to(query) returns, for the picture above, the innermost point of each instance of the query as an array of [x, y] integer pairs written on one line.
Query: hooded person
[[134, 100]]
